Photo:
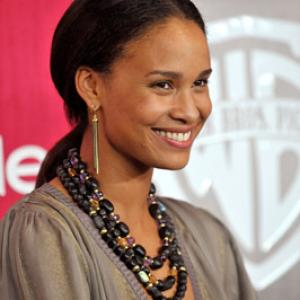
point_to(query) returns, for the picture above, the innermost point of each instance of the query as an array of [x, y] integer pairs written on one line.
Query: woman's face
[[156, 98]]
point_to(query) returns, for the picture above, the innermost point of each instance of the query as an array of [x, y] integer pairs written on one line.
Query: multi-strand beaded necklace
[[85, 191]]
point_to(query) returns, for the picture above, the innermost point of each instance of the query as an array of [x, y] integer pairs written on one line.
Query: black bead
[[110, 224], [176, 260], [76, 179], [99, 223], [160, 285], [85, 206], [123, 228], [165, 251], [139, 259], [112, 243], [102, 212], [166, 284], [71, 185], [74, 192], [107, 205], [66, 180], [182, 274], [156, 264], [181, 288], [154, 210], [92, 183], [131, 262], [165, 231], [78, 198], [107, 237], [82, 166], [83, 190], [139, 250], [73, 152], [119, 250], [154, 292], [60, 171], [169, 282], [127, 255], [67, 164], [116, 232]]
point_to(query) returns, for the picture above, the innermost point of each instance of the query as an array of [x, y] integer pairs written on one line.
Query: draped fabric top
[[50, 249]]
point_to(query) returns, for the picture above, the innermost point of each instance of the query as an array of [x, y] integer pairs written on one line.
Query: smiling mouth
[[178, 137]]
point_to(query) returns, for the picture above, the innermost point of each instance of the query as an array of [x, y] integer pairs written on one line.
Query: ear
[[89, 86]]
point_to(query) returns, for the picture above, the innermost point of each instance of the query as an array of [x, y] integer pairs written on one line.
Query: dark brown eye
[[201, 83], [166, 85]]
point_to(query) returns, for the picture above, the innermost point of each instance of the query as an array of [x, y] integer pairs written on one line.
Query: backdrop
[[244, 168]]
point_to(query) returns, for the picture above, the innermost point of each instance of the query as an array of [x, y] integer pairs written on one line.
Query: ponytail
[[58, 152]]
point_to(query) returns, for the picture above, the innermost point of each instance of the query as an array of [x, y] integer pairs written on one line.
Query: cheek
[[205, 106]]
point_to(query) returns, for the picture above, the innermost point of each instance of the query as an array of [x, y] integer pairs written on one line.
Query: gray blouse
[[50, 249]]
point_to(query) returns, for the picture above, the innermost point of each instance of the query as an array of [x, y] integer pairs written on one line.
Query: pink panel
[[31, 112]]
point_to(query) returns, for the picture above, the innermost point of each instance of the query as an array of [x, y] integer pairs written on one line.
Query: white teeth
[[178, 137]]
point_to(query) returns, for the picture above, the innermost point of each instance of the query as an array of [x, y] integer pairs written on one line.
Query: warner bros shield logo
[[245, 166]]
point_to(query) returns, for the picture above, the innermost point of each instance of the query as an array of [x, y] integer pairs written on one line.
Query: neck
[[124, 182]]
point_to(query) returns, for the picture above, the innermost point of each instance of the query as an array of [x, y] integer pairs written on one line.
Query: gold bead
[[93, 213], [149, 285], [153, 279], [103, 231], [136, 269], [95, 204], [122, 242], [71, 172], [182, 269], [173, 271]]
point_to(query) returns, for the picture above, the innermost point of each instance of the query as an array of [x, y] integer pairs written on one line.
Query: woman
[[133, 76]]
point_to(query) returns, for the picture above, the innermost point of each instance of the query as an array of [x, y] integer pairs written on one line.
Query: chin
[[176, 164]]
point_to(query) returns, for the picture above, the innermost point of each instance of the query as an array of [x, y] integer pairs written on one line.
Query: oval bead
[[124, 229], [154, 210], [67, 164], [165, 251], [83, 190], [119, 250], [154, 292], [139, 250], [98, 221], [156, 264], [107, 205], [73, 152], [112, 243], [92, 183], [143, 277], [165, 231], [127, 255], [131, 262], [85, 205]]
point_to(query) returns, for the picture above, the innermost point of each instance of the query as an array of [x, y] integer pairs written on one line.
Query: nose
[[189, 108]]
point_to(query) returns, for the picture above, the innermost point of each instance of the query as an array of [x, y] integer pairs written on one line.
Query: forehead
[[176, 44]]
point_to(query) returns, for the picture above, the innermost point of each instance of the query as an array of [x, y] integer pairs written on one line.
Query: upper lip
[[182, 129]]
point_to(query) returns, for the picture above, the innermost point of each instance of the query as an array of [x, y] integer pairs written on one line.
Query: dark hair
[[93, 33]]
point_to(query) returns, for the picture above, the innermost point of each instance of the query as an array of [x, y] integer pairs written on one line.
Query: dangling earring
[[95, 123]]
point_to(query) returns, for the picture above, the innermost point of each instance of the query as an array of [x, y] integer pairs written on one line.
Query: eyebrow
[[176, 75]]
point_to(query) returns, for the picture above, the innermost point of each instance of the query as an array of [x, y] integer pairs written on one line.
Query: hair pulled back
[[93, 33]]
